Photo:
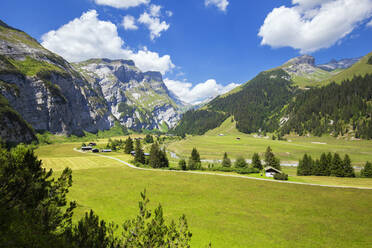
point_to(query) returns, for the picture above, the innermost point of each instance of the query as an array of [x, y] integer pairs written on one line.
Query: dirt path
[[221, 175]]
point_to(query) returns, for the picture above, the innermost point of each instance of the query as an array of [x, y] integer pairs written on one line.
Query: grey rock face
[[139, 100], [339, 64], [51, 95]]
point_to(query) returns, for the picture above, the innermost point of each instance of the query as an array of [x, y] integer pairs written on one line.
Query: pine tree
[[240, 163], [226, 162], [323, 165], [128, 148], [329, 164], [305, 166], [194, 160], [271, 160], [256, 161], [337, 166], [140, 156], [348, 168], [164, 162], [367, 171], [154, 160]]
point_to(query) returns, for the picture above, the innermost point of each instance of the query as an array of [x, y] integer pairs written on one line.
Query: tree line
[[327, 165]]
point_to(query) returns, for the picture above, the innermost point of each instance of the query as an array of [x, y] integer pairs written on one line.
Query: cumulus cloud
[[122, 4], [129, 23], [200, 92], [369, 24], [88, 37], [151, 20], [220, 4], [310, 25]]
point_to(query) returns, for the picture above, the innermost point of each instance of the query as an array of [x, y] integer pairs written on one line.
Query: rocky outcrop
[[50, 95], [339, 64], [139, 100]]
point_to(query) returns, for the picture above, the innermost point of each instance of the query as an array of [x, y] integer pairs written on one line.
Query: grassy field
[[229, 212], [212, 146]]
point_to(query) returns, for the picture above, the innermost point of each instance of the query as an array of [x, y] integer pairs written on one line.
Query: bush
[[237, 170], [240, 163], [281, 176]]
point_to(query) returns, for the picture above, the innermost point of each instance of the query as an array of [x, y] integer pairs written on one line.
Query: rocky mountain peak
[[304, 59]]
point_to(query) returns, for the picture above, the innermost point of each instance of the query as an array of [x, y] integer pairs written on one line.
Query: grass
[[30, 66], [212, 146], [229, 212]]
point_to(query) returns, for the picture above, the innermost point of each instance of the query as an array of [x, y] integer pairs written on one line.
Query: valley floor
[[229, 212]]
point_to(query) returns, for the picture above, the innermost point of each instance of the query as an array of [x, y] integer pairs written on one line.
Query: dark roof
[[272, 169]]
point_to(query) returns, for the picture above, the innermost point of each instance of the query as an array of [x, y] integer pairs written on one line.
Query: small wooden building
[[271, 171]]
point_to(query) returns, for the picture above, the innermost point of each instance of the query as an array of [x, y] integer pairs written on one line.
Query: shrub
[[240, 163], [281, 176]]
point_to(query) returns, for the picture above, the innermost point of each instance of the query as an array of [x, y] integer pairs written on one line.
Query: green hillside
[[255, 106]]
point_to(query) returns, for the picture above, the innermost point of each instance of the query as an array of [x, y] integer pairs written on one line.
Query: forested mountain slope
[[339, 109], [256, 106], [272, 102]]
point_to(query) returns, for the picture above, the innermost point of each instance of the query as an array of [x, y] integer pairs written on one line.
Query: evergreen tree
[[194, 160], [256, 161], [329, 164], [182, 164], [366, 171], [149, 229], [240, 163], [316, 170], [164, 162], [337, 168], [226, 162], [154, 160], [140, 156], [305, 166], [347, 167], [128, 148], [323, 165], [271, 160]]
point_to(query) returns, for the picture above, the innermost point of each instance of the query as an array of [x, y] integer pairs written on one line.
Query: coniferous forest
[[270, 103]]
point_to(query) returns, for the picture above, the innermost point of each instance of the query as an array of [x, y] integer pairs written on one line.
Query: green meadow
[[229, 212], [212, 145]]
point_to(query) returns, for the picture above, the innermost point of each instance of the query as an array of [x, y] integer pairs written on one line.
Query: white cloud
[[221, 4], [369, 24], [169, 13], [129, 23], [88, 37], [122, 4], [310, 25], [200, 92], [152, 20]]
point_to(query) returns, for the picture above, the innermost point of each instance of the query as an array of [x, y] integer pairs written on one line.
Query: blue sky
[[203, 47]]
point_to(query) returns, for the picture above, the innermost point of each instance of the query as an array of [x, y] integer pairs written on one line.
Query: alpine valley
[[41, 91]]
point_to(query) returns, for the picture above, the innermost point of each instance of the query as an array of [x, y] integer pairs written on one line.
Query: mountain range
[[40, 91]]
